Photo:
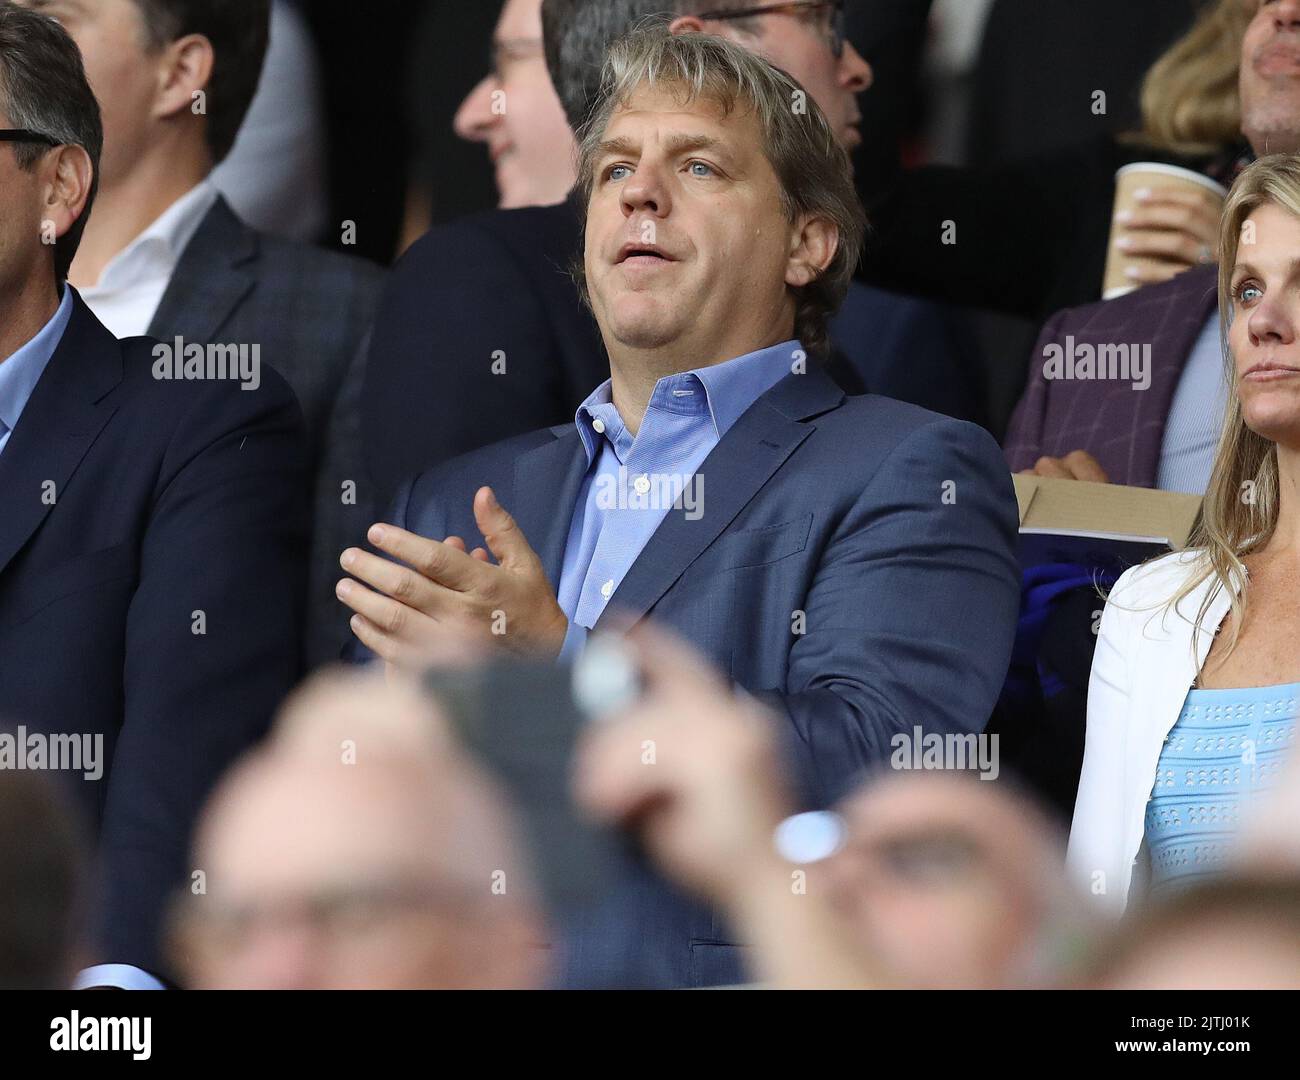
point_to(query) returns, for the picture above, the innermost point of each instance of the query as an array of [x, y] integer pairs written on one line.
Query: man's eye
[[612, 173], [708, 169]]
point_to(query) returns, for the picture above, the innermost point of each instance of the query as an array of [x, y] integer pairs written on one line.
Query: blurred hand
[[1076, 465], [443, 593], [693, 768], [1177, 227]]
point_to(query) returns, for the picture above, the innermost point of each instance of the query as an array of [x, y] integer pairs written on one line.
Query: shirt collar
[[20, 373], [728, 389], [164, 241]]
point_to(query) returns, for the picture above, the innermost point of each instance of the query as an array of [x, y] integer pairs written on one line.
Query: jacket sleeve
[[910, 614], [211, 641], [1096, 852]]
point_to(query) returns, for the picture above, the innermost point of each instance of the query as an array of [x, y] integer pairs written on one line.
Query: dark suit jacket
[[496, 286], [170, 498], [890, 528], [1121, 427], [490, 287], [309, 310], [908, 349]]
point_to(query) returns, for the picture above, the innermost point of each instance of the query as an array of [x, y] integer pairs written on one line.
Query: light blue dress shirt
[[20, 373], [1195, 416], [632, 482]]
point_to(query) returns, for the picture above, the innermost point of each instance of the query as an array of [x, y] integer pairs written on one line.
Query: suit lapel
[[211, 279], [547, 481], [734, 472], [62, 419]]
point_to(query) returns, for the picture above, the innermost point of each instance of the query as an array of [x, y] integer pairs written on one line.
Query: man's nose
[[855, 72], [646, 189], [475, 117]]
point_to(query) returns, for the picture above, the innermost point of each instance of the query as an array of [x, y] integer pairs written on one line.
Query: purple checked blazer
[[1121, 427]]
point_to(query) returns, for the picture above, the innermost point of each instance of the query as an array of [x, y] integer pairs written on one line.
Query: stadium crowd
[[593, 558]]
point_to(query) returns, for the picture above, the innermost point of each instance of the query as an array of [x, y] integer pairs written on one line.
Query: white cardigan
[[1141, 672]]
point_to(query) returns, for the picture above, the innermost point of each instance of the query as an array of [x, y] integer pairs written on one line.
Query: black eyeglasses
[[794, 7], [28, 136]]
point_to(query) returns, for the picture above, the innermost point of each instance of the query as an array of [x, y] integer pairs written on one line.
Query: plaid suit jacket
[[310, 311], [1122, 427]]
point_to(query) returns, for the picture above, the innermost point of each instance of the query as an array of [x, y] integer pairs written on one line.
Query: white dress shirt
[[128, 292]]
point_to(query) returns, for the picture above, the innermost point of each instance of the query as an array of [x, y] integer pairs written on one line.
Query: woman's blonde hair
[[1190, 101], [1240, 509]]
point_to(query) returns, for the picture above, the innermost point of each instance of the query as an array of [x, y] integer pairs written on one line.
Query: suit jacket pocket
[[34, 592], [759, 547]]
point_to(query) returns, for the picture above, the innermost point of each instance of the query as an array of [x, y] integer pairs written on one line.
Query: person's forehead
[[666, 109], [1275, 228]]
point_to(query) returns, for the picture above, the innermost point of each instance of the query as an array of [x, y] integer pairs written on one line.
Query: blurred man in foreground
[[359, 849], [932, 881]]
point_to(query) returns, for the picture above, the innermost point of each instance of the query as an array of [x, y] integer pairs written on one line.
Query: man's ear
[[69, 176], [184, 72], [814, 242], [686, 24]]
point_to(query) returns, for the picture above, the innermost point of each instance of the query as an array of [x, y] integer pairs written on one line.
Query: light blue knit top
[[1226, 747]]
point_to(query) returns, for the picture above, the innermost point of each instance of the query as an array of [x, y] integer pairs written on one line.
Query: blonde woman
[[1195, 683]]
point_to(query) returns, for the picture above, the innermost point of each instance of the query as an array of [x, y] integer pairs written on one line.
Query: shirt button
[[642, 484], [607, 589], [598, 426]]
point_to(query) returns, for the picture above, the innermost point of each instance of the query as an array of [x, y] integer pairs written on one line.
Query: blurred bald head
[[953, 882], [360, 849]]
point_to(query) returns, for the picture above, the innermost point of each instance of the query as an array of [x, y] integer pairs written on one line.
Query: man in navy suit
[[848, 560], [481, 335], [165, 255], [152, 527]]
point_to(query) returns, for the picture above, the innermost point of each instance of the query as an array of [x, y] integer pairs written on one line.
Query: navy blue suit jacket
[[890, 528], [168, 498]]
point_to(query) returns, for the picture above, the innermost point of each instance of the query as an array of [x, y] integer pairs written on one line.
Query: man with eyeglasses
[[514, 111], [152, 528], [165, 255], [791, 36]]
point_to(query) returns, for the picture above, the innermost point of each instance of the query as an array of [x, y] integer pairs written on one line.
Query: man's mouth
[[642, 255]]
